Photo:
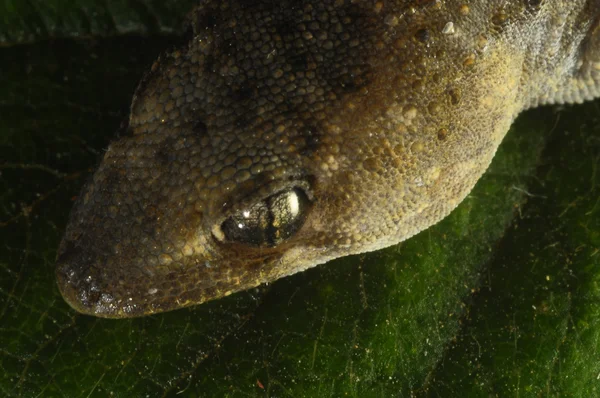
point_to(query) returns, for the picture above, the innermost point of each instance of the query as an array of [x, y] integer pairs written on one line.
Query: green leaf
[[499, 299], [534, 327], [30, 20]]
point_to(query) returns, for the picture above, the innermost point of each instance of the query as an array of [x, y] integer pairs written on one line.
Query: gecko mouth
[[94, 282]]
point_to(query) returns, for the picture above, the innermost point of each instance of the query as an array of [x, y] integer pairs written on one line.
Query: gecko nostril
[[67, 252], [69, 266]]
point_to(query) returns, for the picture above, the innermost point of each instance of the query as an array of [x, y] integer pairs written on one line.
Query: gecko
[[283, 134]]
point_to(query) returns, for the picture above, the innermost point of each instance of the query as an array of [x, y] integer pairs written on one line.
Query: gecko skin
[[288, 133]]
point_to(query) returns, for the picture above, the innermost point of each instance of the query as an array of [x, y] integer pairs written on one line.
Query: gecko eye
[[270, 221]]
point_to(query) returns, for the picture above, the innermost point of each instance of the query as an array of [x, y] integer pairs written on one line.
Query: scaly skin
[[355, 124]]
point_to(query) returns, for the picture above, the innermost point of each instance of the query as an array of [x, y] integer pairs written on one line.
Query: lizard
[[284, 134]]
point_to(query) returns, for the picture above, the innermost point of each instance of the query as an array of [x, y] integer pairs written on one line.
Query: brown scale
[[285, 134]]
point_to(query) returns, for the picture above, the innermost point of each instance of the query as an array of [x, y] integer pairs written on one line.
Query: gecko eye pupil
[[270, 221]]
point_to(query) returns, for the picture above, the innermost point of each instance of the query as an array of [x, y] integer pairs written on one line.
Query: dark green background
[[500, 299]]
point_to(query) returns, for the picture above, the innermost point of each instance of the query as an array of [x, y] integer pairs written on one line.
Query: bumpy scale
[[288, 133]]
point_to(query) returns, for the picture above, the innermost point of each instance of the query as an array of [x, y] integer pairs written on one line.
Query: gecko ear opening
[[268, 222]]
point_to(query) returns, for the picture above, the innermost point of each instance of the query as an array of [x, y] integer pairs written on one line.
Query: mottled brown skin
[[383, 114]]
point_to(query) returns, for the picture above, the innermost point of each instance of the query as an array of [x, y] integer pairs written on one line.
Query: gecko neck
[[560, 64]]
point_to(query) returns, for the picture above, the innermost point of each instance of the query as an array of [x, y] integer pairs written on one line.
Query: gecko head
[[252, 154], [169, 221]]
